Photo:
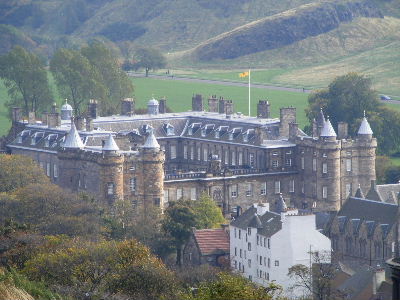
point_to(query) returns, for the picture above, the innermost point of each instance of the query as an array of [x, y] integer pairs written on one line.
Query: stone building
[[207, 246], [236, 159]]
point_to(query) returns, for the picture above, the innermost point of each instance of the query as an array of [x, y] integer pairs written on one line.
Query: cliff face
[[283, 29]]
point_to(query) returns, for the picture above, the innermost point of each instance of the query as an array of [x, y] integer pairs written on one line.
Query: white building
[[264, 244]]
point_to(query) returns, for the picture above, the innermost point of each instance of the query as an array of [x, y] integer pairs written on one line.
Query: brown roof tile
[[212, 241]]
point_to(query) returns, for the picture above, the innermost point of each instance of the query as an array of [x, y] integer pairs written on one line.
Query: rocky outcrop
[[283, 29]]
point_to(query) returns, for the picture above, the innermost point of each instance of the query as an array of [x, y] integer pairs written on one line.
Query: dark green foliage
[[346, 99], [120, 31], [392, 174], [148, 59]]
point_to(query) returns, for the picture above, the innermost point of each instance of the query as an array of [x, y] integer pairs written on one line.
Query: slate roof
[[212, 241], [385, 190], [358, 282], [270, 222], [365, 128], [327, 130]]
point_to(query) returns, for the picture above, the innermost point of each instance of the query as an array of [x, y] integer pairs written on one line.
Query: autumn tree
[[25, 77], [76, 78], [104, 268], [148, 59], [233, 287], [207, 213], [17, 171]]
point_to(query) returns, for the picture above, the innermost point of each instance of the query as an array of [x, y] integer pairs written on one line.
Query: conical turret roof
[[151, 142], [255, 222], [364, 127], [109, 144], [281, 205], [320, 118], [359, 193], [327, 130], [73, 140]]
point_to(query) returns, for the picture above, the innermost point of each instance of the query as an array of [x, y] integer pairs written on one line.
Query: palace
[[160, 157]]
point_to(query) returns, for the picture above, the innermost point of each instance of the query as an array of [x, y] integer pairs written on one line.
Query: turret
[[152, 107], [73, 140], [327, 132], [109, 145], [66, 111], [365, 131]]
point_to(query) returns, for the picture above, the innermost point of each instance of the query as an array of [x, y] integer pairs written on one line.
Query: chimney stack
[[89, 124], [79, 123], [197, 103], [31, 117], [127, 107], [343, 129], [162, 108], [263, 109], [93, 109], [287, 116], [293, 128], [213, 104], [16, 114]]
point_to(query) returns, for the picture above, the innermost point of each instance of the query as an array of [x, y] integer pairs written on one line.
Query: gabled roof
[[359, 193], [358, 282], [73, 140], [212, 241], [386, 191]]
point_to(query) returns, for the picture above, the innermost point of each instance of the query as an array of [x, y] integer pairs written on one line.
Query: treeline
[[60, 245], [92, 72]]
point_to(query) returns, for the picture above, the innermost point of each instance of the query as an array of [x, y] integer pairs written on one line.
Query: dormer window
[[203, 132], [146, 129], [245, 138], [217, 134], [19, 139], [230, 136], [190, 131], [169, 129]]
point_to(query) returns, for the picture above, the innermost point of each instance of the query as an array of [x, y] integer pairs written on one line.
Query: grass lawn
[[179, 96], [395, 160]]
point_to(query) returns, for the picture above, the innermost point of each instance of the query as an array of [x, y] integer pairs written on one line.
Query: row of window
[[47, 167], [324, 165], [234, 188], [192, 192]]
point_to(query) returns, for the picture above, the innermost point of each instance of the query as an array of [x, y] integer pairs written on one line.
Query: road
[[233, 83]]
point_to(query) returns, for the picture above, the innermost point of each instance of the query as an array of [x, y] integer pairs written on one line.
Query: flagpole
[[249, 94]]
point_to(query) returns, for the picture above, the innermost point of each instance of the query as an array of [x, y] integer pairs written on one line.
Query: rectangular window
[[166, 196], [269, 263], [324, 192], [269, 243], [324, 168], [348, 189], [348, 164], [193, 194], [199, 153], [205, 154], [314, 164], [275, 163], [234, 190], [240, 253], [110, 189], [249, 191], [48, 169], [226, 157], [263, 190], [240, 158], [185, 151], [302, 163], [277, 187], [249, 263], [251, 160], [235, 231], [249, 246], [240, 234], [192, 152], [291, 186], [179, 194], [55, 171], [233, 163], [288, 162], [265, 261], [235, 251], [173, 152], [132, 184], [302, 188], [277, 263], [249, 231]]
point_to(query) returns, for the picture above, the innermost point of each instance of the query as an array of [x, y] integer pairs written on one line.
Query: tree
[[148, 59], [382, 165], [178, 222], [346, 99], [76, 78], [17, 171], [26, 79], [207, 213], [233, 287], [116, 81], [316, 278]]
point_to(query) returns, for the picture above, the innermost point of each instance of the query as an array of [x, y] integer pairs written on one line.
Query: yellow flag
[[244, 74]]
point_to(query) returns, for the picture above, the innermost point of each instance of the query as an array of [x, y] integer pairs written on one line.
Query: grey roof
[[374, 194], [109, 144], [358, 282], [270, 222], [365, 128], [281, 205], [255, 222], [386, 192], [372, 212], [327, 130], [152, 102], [66, 106], [73, 140], [151, 142]]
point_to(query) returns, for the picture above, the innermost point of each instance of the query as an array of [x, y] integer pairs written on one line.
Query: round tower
[[328, 169], [66, 111], [151, 181], [152, 107], [366, 146]]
